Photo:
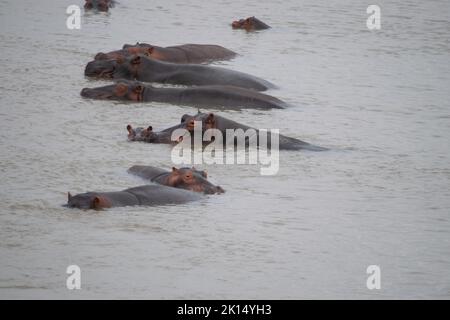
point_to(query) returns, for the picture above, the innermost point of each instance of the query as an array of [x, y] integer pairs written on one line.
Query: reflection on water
[[379, 100]]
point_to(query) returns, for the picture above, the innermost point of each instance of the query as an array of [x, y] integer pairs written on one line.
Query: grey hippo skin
[[186, 53], [143, 68], [100, 5], [148, 195], [212, 121], [183, 178], [250, 24], [204, 96]]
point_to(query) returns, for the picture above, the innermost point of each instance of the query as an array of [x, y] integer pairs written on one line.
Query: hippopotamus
[[147, 195], [143, 68], [212, 121], [249, 24], [150, 136], [183, 178], [100, 5], [203, 96], [186, 53]]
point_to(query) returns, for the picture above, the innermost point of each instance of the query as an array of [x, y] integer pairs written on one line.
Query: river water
[[381, 196]]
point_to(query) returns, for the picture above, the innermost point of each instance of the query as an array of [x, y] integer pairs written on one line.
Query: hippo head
[[100, 5], [102, 68], [121, 91], [250, 23], [89, 200], [141, 134], [127, 68], [208, 121], [150, 136], [191, 179]]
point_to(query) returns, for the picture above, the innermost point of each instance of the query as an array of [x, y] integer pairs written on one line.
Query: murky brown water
[[379, 100]]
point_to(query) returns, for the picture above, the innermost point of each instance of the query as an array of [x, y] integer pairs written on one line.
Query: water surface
[[378, 99]]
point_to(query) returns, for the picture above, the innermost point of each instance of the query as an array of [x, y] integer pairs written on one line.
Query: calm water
[[379, 100]]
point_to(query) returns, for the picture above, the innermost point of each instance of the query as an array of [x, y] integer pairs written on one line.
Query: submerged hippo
[[183, 178], [203, 96], [212, 121], [186, 53], [143, 68], [148, 195], [249, 24], [100, 5]]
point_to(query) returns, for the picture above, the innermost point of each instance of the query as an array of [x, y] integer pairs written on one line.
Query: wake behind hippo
[[148, 195], [143, 68], [186, 53], [183, 178], [202, 96], [212, 121]]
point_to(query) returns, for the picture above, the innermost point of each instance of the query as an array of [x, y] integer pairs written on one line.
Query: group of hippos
[[135, 66]]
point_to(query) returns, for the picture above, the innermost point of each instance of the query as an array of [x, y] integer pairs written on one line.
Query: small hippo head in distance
[[89, 200], [100, 5], [121, 91], [191, 179], [249, 24]]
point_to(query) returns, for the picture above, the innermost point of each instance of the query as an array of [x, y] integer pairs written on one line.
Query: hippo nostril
[[220, 190]]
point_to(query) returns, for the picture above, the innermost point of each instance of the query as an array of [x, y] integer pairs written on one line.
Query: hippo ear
[[184, 118], [130, 129], [138, 89], [96, 203], [136, 60], [100, 202], [149, 128], [69, 196], [211, 117]]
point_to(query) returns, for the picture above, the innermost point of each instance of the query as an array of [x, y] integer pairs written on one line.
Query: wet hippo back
[[150, 70], [146, 172], [186, 53], [218, 122], [161, 195], [196, 53]]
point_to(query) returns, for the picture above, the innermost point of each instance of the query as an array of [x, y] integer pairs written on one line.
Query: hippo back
[[151, 195]]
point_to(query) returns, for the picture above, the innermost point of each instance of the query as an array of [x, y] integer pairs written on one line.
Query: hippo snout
[[95, 93], [219, 190], [236, 24], [100, 68], [87, 93]]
